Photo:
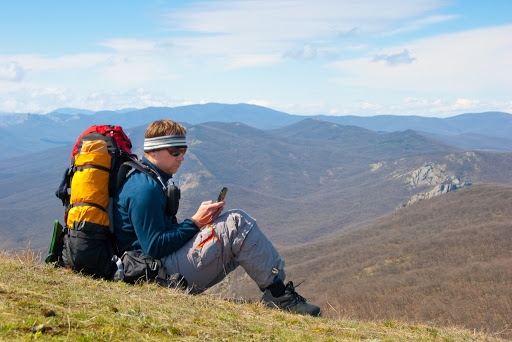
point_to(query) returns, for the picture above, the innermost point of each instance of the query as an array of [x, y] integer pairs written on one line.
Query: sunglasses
[[175, 152]]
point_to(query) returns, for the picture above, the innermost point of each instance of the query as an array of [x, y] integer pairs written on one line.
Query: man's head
[[164, 127], [165, 145]]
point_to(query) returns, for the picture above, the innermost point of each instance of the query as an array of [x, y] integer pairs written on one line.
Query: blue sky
[[402, 57]]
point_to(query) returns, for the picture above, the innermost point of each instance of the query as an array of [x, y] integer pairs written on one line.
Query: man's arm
[[156, 234]]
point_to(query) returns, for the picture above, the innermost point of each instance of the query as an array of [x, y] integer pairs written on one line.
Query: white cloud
[[43, 100], [132, 70], [458, 63], [32, 100], [11, 71], [426, 107], [297, 19], [132, 45], [395, 59], [418, 24], [262, 103], [294, 29], [133, 98], [254, 60], [465, 104], [305, 53], [36, 63]]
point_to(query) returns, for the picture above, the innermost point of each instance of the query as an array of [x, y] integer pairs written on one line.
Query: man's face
[[168, 160]]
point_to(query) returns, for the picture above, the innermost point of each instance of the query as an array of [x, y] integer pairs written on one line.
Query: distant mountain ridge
[[487, 123], [312, 178], [23, 133]]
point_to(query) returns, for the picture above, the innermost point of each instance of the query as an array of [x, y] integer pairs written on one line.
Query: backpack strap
[[138, 165], [87, 204], [171, 192], [83, 167]]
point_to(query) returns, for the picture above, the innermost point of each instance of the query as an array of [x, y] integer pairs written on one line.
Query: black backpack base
[[133, 267]]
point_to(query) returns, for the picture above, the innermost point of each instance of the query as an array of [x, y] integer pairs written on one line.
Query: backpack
[[87, 190], [100, 162]]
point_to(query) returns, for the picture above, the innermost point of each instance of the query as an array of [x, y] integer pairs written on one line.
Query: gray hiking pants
[[233, 239]]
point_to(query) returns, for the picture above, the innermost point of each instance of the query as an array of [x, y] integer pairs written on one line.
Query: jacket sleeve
[[156, 234]]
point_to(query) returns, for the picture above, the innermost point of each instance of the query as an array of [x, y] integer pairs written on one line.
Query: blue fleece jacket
[[140, 219]]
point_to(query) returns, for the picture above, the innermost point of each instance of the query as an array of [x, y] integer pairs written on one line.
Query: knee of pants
[[236, 225]]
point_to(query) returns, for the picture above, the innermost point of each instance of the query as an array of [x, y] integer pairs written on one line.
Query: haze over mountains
[[320, 190], [24, 133]]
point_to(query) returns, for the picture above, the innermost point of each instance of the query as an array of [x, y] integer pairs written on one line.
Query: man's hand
[[208, 211]]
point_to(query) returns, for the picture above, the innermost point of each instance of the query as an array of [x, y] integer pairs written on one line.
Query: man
[[205, 247]]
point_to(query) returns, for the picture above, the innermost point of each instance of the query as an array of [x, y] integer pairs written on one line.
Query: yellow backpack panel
[[89, 185]]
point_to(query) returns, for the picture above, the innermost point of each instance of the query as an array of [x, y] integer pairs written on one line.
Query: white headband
[[166, 141]]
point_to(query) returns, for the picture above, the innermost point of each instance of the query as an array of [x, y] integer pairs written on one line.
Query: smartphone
[[222, 194]]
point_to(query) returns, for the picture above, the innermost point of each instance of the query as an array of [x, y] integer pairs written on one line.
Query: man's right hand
[[207, 213]]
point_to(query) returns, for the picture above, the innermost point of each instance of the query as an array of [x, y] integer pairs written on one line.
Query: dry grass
[[40, 302]]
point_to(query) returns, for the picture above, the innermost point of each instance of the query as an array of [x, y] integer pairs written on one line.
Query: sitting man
[[205, 247]]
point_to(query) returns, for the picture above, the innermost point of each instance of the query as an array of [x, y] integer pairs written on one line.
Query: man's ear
[[152, 156]]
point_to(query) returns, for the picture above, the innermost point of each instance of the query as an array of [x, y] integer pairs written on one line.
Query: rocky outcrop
[[376, 166], [437, 177], [436, 191], [430, 174]]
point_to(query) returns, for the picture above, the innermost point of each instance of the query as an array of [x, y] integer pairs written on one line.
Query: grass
[[44, 303]]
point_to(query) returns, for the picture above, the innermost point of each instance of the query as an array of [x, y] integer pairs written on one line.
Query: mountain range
[[313, 177], [25, 133]]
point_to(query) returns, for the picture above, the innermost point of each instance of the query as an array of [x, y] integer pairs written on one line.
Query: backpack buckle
[[154, 266]]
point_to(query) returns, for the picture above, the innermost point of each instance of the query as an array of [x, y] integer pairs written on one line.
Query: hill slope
[[47, 304], [444, 260]]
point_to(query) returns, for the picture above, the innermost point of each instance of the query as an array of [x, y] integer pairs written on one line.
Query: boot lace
[[296, 297]]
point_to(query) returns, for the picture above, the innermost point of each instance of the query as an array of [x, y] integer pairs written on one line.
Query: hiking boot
[[290, 301]]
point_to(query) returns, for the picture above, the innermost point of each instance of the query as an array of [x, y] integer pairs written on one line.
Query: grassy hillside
[[48, 304]]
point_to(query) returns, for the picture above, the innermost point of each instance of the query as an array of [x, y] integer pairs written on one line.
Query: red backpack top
[[121, 139]]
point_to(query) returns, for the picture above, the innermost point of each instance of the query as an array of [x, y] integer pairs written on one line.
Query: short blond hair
[[162, 128]]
